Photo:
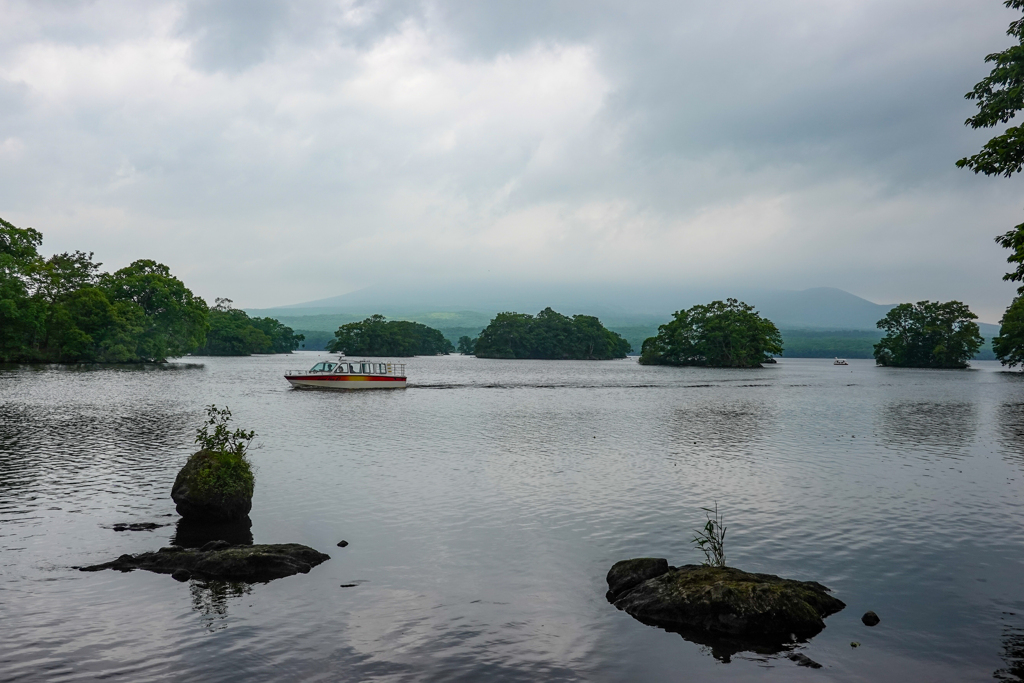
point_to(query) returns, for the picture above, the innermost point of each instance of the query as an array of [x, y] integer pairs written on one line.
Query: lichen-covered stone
[[218, 560], [729, 601], [214, 487], [629, 573]]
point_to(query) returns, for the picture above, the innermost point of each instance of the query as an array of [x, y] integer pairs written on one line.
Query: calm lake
[[485, 504]]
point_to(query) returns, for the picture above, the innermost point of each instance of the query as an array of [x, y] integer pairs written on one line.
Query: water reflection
[[191, 534], [1011, 431], [724, 647], [726, 428], [211, 598], [1013, 655], [941, 428]]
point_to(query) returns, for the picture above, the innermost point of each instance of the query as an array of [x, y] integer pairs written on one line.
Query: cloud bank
[[275, 152]]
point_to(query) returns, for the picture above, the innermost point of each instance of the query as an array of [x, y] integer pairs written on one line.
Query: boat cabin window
[[331, 366], [319, 367], [365, 368], [342, 367]]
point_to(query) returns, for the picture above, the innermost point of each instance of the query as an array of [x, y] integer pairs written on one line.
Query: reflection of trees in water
[[210, 599], [1011, 431], [940, 428], [1013, 655], [723, 427]]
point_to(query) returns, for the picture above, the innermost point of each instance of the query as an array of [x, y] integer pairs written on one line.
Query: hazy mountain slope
[[818, 308]]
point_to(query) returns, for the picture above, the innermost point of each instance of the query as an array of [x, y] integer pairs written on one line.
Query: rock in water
[[214, 487], [629, 573], [723, 600], [220, 561], [870, 619]]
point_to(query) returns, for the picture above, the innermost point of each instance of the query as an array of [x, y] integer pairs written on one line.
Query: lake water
[[485, 504]]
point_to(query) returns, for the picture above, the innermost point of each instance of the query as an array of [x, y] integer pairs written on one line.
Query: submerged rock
[[721, 600], [136, 526], [803, 660], [221, 561], [214, 487]]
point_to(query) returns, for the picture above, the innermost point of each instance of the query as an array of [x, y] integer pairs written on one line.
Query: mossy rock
[[214, 487], [724, 600]]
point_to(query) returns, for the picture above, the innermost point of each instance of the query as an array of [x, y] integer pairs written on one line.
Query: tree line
[[65, 309], [549, 335], [376, 336]]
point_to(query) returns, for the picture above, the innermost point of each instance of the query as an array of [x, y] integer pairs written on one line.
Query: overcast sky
[[280, 151]]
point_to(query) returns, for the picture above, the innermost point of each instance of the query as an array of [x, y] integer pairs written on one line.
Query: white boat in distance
[[345, 374], [840, 361]]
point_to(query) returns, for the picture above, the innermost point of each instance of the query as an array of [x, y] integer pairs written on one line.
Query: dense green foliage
[[466, 345], [233, 333], [729, 334], [63, 309], [928, 334], [376, 336], [1009, 345], [222, 467], [999, 97], [549, 335]]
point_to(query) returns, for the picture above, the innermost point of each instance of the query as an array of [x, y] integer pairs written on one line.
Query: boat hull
[[346, 382]]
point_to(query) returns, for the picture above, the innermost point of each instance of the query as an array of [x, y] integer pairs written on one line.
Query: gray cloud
[[279, 151]]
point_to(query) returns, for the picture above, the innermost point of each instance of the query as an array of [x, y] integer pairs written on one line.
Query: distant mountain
[[805, 317], [823, 308]]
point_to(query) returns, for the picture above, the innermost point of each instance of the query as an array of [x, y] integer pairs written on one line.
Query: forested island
[[233, 333], [549, 335], [377, 336], [63, 309], [722, 334], [929, 334]]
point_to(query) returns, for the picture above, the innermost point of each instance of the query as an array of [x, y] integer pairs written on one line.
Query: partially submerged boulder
[[720, 600], [214, 486], [221, 561], [631, 573]]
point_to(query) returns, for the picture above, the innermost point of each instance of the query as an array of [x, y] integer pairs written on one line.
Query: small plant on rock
[[222, 439], [217, 482], [711, 539]]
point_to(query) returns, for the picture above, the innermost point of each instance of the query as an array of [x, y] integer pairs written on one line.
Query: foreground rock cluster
[[719, 600], [219, 560]]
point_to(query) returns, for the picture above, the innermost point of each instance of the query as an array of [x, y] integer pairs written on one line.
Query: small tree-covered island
[[928, 334], [549, 335], [377, 336], [65, 310], [722, 334]]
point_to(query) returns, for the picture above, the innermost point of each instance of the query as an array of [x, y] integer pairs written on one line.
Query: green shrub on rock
[[217, 483]]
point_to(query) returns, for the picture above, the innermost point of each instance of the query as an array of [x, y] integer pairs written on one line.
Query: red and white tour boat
[[346, 374]]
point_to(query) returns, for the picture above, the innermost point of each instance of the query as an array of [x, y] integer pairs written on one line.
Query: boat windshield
[[323, 367]]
